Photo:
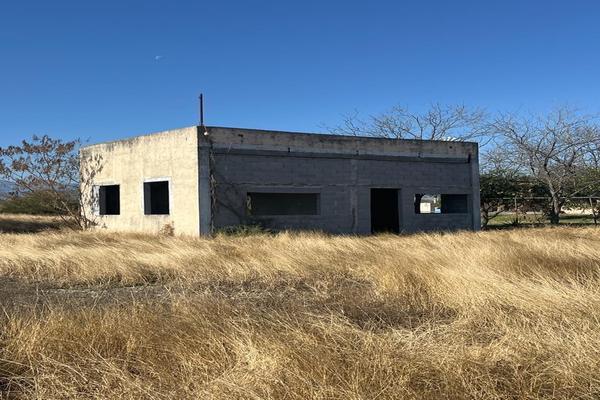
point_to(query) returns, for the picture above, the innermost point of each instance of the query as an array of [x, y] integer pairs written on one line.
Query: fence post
[[516, 212], [593, 210]]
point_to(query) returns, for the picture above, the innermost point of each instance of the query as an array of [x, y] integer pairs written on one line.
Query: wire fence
[[535, 210]]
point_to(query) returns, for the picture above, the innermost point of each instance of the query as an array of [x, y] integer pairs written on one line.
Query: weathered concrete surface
[[212, 170], [170, 155], [235, 138], [342, 170]]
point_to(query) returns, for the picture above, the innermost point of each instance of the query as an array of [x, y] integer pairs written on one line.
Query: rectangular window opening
[[156, 198], [259, 204], [441, 203], [109, 198]]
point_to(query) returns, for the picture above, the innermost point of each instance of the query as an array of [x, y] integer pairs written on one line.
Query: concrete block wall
[[237, 175], [342, 170]]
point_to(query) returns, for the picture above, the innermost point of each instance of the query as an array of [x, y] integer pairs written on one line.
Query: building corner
[[204, 181]]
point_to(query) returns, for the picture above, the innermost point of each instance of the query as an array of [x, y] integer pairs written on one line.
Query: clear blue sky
[[91, 69]]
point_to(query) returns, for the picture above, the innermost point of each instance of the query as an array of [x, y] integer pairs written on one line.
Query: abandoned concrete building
[[201, 179]]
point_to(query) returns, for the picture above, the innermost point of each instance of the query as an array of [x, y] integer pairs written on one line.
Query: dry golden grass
[[495, 315]]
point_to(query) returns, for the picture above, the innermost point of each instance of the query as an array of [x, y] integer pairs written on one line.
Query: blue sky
[[90, 69]]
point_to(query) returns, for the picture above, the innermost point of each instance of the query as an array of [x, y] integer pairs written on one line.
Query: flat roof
[[331, 136]]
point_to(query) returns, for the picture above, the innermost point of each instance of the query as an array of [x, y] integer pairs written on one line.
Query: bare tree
[[54, 167], [554, 149], [437, 123], [593, 149]]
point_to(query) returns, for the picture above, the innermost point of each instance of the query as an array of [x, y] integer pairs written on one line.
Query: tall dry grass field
[[495, 315]]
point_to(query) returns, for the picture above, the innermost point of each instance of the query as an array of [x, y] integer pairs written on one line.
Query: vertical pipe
[[201, 109], [473, 160], [205, 194]]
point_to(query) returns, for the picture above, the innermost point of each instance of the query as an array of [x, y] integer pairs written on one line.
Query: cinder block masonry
[[197, 180]]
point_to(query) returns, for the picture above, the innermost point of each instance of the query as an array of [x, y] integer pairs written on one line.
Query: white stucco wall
[[170, 155]]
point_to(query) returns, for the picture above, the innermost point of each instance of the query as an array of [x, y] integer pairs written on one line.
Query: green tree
[[34, 203], [497, 189]]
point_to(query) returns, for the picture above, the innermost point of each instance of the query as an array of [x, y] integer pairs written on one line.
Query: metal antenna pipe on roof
[[201, 109]]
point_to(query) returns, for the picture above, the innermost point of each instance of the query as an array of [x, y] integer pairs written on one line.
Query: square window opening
[[109, 198], [261, 204], [156, 198]]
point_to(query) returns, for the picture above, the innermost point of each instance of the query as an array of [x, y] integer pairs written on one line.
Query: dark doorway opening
[[384, 211]]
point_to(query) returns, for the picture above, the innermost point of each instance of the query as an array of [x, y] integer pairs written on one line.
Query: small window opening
[[441, 204], [109, 199], [156, 198], [282, 204]]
